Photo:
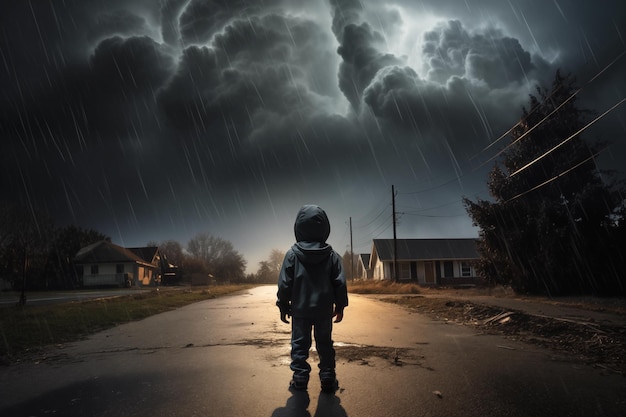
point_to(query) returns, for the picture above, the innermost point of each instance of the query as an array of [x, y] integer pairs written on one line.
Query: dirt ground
[[599, 345]]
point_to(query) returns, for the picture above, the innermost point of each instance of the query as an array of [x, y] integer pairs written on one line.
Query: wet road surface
[[230, 357]]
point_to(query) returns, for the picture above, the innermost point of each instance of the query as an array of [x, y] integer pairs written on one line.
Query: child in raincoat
[[312, 290]]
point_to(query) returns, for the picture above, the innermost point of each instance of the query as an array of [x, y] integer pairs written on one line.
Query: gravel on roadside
[[598, 344]]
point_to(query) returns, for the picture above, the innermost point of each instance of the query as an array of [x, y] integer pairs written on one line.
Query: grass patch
[[27, 329], [382, 287]]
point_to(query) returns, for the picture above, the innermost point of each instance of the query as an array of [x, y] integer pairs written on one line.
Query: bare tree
[[275, 261], [173, 252], [219, 256]]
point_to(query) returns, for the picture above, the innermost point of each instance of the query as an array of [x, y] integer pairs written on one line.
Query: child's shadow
[[296, 406], [328, 405]]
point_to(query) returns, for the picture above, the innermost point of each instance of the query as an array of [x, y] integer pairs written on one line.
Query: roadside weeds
[[597, 344], [26, 331]]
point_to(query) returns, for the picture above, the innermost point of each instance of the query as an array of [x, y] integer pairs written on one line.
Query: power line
[[436, 215], [461, 175], [458, 177], [369, 240], [555, 177], [345, 234], [386, 222], [371, 212], [383, 231], [420, 209], [375, 218], [568, 139], [539, 104], [385, 225]]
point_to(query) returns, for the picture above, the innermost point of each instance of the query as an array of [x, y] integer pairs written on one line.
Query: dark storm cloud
[[170, 21], [202, 19], [75, 97], [198, 113], [361, 61], [468, 79], [488, 56], [125, 76], [452, 112], [119, 22], [255, 74], [113, 91], [358, 49]]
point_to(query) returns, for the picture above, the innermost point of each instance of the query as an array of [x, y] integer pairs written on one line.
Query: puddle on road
[[362, 354], [356, 353]]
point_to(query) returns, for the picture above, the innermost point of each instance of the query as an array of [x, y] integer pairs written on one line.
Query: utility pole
[[351, 253], [22, 301], [395, 239]]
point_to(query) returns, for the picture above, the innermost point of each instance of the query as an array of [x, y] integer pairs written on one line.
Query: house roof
[[365, 259], [147, 253], [107, 252], [426, 249]]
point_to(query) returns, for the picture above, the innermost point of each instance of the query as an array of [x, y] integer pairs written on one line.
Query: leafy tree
[[66, 242], [25, 236], [230, 266], [351, 267], [264, 273], [35, 254], [553, 224], [192, 267], [218, 255], [269, 269]]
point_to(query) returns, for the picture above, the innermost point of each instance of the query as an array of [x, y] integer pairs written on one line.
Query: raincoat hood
[[312, 225], [312, 228]]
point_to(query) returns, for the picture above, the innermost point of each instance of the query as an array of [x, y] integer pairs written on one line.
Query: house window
[[466, 269], [119, 268], [405, 270], [94, 269], [448, 269]]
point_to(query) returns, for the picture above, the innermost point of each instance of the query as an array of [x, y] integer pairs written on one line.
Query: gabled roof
[[147, 253], [106, 252], [365, 259], [426, 249]]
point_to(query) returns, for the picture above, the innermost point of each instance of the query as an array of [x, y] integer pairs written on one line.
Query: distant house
[[364, 262], [426, 261], [104, 263]]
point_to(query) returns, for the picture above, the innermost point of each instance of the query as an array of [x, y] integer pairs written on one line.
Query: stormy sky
[[154, 120]]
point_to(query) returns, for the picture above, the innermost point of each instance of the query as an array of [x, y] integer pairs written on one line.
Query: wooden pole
[[395, 239]]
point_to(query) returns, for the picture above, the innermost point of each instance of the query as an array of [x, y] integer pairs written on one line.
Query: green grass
[[24, 330]]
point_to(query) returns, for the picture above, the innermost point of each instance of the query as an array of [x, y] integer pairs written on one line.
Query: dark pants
[[301, 343]]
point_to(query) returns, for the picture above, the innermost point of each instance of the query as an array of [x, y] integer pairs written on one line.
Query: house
[[364, 265], [104, 263], [426, 261]]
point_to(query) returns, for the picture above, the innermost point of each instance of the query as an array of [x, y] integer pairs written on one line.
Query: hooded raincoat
[[311, 283]]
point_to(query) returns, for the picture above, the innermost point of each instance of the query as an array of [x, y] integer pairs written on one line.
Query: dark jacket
[[311, 283]]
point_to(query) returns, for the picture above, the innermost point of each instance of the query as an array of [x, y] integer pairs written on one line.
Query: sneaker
[[297, 385], [330, 385]]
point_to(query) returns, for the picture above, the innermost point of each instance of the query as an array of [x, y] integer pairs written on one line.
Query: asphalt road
[[8, 299], [230, 357]]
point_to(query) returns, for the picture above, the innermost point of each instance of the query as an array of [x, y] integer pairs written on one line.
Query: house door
[[429, 272]]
